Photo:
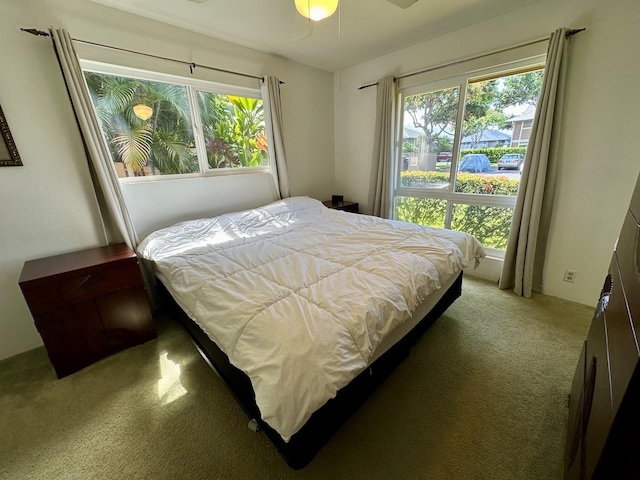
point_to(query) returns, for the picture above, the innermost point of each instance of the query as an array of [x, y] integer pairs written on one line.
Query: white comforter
[[299, 296]]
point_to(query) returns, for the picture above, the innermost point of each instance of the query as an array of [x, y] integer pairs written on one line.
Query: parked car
[[444, 156], [475, 163], [510, 161]]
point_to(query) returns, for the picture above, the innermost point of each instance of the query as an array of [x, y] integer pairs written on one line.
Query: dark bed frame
[[309, 440]]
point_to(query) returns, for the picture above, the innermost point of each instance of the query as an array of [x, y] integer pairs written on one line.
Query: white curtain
[[115, 215], [101, 163], [380, 200], [527, 242], [270, 87]]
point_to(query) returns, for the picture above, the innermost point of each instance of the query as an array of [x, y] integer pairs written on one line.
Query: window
[[157, 125], [462, 152]]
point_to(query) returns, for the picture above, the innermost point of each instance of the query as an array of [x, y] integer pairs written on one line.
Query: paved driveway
[[504, 173], [445, 166]]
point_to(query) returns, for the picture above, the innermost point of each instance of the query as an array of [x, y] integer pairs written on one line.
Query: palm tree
[[233, 127], [165, 140]]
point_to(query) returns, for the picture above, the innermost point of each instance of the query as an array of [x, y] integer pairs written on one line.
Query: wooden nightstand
[[346, 206], [87, 305]]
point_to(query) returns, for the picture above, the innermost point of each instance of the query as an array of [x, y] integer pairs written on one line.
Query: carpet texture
[[482, 396]]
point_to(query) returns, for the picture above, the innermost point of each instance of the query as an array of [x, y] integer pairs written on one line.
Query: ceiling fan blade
[[403, 3]]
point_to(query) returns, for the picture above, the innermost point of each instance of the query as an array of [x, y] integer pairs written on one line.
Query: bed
[[303, 310]]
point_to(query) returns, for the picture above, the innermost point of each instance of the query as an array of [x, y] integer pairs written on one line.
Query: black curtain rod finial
[[574, 31], [35, 32]]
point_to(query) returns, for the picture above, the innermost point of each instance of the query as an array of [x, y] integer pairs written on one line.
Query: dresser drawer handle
[[603, 303], [589, 392], [605, 295], [78, 286], [636, 247]]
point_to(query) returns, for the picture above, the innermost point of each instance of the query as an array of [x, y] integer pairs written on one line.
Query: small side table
[[346, 206], [87, 304]]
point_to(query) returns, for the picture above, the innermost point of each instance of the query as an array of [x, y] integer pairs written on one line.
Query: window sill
[[183, 176]]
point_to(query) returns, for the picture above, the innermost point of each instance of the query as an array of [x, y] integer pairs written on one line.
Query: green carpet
[[482, 396]]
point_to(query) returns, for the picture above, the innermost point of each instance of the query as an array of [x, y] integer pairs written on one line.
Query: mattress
[[303, 298]]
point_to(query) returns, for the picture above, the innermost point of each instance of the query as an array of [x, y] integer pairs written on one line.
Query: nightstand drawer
[[87, 305], [83, 287], [74, 336], [125, 318]]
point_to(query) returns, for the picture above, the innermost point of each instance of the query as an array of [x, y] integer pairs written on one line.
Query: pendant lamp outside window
[[316, 10], [142, 111]]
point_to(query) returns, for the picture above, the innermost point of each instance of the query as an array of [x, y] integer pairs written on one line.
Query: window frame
[[193, 86], [448, 194]]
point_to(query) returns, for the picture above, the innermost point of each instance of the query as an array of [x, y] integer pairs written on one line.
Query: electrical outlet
[[570, 276]]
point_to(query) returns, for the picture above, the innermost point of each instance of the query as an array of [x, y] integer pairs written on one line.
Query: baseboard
[[489, 269]]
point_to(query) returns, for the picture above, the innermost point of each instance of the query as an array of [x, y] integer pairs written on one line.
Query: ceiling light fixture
[[316, 10], [403, 3], [142, 111]]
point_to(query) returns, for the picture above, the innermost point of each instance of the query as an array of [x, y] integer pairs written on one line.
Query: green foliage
[[422, 179], [233, 126], [434, 112], [484, 110], [423, 211], [408, 147], [234, 130], [249, 131], [490, 225], [494, 153], [481, 112], [480, 99], [486, 184], [164, 141], [521, 89], [444, 144], [475, 127], [171, 155], [134, 146], [466, 182]]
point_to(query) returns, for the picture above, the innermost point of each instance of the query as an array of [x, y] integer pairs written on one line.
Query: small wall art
[[9, 156]]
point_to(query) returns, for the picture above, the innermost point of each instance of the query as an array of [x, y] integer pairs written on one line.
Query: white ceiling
[[369, 28]]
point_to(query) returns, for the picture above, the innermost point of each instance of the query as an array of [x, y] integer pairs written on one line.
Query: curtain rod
[[191, 65], [458, 62]]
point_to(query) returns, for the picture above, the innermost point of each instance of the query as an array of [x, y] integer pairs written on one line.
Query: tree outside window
[[163, 142]]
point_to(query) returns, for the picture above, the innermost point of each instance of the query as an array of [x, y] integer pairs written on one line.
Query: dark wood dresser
[[603, 435], [345, 206], [87, 304]]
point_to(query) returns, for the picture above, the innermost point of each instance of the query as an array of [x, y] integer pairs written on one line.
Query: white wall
[[48, 206], [599, 165]]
